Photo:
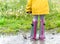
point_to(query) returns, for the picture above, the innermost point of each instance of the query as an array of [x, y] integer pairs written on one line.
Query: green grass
[[14, 18]]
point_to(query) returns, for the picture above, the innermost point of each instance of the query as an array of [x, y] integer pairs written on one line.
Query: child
[[38, 8]]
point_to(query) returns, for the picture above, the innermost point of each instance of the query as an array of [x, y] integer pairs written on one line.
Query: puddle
[[18, 39]]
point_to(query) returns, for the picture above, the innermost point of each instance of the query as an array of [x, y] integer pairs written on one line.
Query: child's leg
[[34, 27], [42, 36]]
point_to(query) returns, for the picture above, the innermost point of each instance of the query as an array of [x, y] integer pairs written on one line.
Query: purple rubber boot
[[42, 35], [34, 29]]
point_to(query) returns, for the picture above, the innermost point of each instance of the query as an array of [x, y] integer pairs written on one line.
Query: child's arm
[[29, 6]]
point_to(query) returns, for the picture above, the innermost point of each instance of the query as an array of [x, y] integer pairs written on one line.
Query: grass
[[14, 18]]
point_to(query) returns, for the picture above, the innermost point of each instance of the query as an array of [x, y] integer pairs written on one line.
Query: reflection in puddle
[[34, 42], [38, 42], [42, 42]]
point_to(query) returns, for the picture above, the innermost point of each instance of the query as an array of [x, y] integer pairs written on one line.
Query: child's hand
[[29, 12]]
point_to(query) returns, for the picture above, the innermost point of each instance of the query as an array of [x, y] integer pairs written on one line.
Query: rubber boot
[[42, 35], [34, 29]]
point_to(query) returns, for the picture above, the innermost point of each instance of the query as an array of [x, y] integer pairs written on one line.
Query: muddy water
[[19, 39]]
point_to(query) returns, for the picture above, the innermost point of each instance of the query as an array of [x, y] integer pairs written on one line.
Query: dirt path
[[18, 39]]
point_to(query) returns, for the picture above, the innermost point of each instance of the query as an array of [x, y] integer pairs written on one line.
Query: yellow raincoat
[[37, 7]]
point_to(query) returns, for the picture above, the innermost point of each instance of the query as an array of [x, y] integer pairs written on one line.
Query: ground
[[51, 38]]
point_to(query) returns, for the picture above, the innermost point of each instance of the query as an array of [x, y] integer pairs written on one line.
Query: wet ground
[[51, 38]]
